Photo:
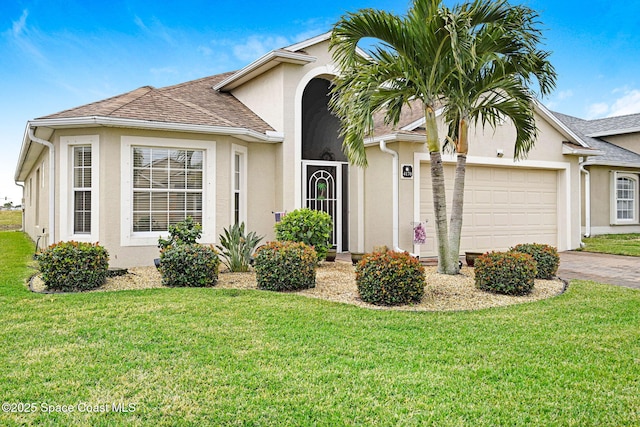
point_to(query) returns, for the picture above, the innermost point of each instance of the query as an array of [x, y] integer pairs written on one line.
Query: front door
[[323, 190]]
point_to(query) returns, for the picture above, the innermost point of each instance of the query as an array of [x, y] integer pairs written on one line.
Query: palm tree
[[475, 60]]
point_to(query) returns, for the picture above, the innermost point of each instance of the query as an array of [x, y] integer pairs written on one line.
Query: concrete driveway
[[612, 269]]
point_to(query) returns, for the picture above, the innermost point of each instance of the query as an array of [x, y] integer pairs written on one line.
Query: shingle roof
[[614, 125], [194, 102], [612, 153]]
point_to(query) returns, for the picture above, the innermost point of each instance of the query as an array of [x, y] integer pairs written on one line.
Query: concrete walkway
[[612, 269]]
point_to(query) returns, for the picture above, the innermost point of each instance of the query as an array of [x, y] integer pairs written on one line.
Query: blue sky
[[62, 54]]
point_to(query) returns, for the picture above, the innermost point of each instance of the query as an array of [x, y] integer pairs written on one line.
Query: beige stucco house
[[242, 145]]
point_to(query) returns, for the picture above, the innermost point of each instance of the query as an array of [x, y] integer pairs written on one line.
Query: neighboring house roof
[[612, 155]]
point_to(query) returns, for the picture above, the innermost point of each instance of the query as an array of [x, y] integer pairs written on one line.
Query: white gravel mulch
[[336, 282]]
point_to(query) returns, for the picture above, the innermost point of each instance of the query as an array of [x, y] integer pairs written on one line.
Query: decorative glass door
[[322, 192]]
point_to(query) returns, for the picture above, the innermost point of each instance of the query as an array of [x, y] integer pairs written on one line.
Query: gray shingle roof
[[194, 102], [613, 155]]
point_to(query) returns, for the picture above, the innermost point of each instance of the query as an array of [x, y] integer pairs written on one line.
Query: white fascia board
[[544, 111], [241, 133], [395, 137], [263, 64], [614, 132], [612, 164]]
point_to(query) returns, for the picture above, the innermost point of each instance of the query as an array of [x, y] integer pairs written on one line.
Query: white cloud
[[627, 102], [597, 110], [18, 26], [256, 46], [565, 94]]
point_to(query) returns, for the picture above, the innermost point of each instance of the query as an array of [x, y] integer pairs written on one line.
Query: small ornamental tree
[[307, 226]]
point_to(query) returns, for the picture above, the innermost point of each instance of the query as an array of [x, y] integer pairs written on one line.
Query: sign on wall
[[407, 171]]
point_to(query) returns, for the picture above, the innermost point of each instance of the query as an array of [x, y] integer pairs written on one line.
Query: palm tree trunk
[[457, 207], [438, 190]]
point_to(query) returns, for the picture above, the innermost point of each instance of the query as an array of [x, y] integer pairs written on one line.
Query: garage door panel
[[503, 207]]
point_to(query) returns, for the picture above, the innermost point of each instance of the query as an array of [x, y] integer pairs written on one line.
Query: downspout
[[52, 180], [587, 201], [396, 201]]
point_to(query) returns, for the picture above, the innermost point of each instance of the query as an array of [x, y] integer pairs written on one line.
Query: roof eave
[[262, 65], [614, 132], [582, 152], [395, 137], [239, 132], [558, 124]]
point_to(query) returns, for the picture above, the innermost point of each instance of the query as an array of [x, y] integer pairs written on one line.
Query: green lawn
[[193, 357], [617, 244], [10, 220]]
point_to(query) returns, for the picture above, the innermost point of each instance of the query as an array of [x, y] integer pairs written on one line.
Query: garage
[[503, 206]]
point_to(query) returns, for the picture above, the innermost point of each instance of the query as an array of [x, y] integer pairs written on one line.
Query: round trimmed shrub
[[191, 265], [390, 278], [509, 273], [74, 266], [285, 266], [546, 257], [307, 226]]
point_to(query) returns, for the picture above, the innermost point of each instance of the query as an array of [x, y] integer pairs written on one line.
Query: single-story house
[[610, 180], [244, 145]]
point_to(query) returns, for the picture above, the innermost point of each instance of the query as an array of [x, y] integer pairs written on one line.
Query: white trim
[[564, 240], [92, 121], [614, 132], [615, 229], [243, 152], [330, 70], [127, 236], [558, 124], [67, 143]]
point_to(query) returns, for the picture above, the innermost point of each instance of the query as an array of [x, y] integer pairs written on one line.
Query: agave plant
[[236, 248]]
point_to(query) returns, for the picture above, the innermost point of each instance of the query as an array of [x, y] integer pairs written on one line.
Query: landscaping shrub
[[509, 273], [236, 248], [390, 278], [73, 266], [183, 233], [285, 266], [307, 226], [192, 265], [546, 258]]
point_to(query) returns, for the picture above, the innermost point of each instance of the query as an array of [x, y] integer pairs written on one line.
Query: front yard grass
[[616, 244], [10, 220], [191, 357]]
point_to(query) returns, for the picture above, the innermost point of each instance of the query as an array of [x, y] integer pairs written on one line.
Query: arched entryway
[[325, 171]]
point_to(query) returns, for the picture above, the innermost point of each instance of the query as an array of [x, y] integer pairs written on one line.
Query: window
[[624, 200], [238, 184], [81, 188], [167, 187]]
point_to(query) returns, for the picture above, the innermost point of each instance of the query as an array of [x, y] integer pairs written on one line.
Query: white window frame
[[241, 189], [130, 238], [614, 197], [67, 143]]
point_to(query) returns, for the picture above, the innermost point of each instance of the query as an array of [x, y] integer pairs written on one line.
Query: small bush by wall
[[546, 258], [191, 265], [307, 226], [236, 247], [390, 278], [285, 266], [73, 266], [509, 273]]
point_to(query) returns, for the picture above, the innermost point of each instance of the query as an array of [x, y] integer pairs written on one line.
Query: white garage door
[[502, 207]]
